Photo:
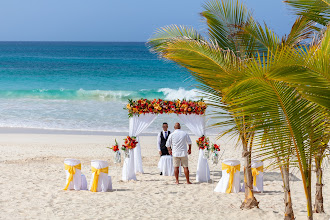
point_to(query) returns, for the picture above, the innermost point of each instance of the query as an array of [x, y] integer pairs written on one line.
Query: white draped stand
[[128, 168], [137, 124], [196, 123], [203, 170]]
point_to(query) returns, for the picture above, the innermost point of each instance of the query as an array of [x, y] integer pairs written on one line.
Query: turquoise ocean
[[83, 86]]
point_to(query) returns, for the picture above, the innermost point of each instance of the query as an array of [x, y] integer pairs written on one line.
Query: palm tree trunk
[[309, 196], [250, 201], [318, 206], [288, 214]]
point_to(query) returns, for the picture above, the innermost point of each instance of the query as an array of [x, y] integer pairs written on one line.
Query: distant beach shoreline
[[8, 130]]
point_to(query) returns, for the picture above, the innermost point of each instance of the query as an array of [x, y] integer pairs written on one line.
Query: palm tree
[[317, 11], [262, 83], [216, 54]]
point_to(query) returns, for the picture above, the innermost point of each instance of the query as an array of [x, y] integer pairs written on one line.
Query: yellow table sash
[[255, 173], [231, 170], [96, 176], [72, 171]]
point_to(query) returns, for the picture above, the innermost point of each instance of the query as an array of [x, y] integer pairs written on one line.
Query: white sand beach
[[33, 178]]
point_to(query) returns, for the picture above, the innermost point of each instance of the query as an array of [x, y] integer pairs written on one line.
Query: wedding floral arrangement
[[215, 148], [130, 143], [115, 147], [159, 106], [203, 143]]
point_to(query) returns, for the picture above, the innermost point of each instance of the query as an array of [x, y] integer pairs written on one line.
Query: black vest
[[163, 140]]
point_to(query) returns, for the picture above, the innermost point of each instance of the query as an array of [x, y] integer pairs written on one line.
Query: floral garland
[[130, 143], [159, 106], [203, 143]]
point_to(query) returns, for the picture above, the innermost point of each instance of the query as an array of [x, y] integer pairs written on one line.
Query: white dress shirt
[[178, 140], [159, 139]]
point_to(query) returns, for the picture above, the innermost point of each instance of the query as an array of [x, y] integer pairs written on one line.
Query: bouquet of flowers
[[159, 106], [115, 149], [203, 143], [130, 143], [215, 148]]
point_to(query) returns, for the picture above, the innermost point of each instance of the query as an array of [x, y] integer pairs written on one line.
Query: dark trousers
[[164, 151]]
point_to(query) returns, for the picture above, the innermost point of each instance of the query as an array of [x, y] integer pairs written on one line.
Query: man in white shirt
[[177, 146]]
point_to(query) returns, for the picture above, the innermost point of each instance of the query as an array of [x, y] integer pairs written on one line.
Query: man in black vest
[[161, 141]]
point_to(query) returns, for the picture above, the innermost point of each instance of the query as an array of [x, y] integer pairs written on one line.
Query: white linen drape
[[128, 172], [196, 123], [137, 124]]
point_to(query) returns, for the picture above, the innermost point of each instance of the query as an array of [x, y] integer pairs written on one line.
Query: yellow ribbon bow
[[255, 173], [72, 171], [231, 170], [96, 176]]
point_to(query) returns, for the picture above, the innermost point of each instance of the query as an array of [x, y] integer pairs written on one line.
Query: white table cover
[[224, 181], [77, 177], [104, 183], [165, 165]]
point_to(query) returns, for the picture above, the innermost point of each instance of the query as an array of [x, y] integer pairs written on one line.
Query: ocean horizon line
[[22, 130], [69, 41]]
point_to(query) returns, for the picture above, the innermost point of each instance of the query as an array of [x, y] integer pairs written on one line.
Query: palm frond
[[315, 10]]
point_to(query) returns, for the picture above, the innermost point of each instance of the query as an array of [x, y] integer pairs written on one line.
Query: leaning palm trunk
[[288, 214], [250, 201], [247, 139], [318, 206], [309, 198]]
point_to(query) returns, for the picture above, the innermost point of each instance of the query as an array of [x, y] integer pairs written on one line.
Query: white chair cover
[[137, 124], [196, 123], [128, 172], [224, 181], [104, 183], [76, 182], [259, 178], [165, 165]]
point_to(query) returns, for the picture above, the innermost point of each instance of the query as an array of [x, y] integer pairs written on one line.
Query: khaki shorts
[[180, 160]]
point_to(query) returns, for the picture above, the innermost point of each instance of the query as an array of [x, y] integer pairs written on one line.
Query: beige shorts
[[180, 160]]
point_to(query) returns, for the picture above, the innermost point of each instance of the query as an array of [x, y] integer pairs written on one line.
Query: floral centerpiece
[[159, 106], [130, 143], [115, 149]]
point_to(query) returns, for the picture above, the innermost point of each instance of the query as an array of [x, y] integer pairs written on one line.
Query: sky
[[116, 20]]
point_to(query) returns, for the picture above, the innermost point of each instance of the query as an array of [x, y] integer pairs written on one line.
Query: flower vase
[[206, 154], [117, 157], [215, 158], [126, 154]]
